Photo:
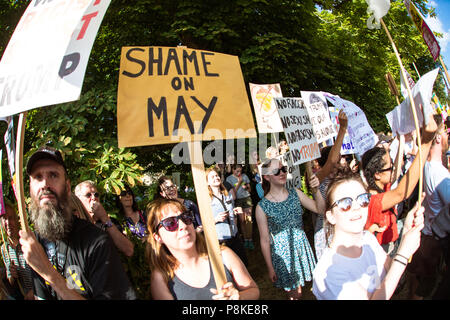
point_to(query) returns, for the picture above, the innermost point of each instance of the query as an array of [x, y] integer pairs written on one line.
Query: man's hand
[[34, 253], [98, 212]]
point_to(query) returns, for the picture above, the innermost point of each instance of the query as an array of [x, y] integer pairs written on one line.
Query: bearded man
[[71, 258]]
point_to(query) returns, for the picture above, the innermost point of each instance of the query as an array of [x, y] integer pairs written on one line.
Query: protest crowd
[[330, 210], [367, 234]]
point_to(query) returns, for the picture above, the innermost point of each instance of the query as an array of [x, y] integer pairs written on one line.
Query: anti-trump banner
[[46, 57], [362, 136], [176, 94], [347, 144], [298, 129], [317, 107], [266, 114]]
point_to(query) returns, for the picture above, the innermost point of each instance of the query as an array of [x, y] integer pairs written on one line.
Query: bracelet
[[400, 262], [398, 254]]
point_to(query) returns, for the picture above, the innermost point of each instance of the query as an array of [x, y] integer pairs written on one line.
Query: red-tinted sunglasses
[[345, 204], [171, 223]]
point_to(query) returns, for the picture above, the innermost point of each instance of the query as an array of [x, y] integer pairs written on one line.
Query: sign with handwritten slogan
[[46, 58], [298, 129], [176, 94]]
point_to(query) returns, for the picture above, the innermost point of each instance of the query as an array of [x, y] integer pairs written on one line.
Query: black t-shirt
[[90, 264]]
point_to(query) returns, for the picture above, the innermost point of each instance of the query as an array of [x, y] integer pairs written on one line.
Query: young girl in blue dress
[[284, 245]]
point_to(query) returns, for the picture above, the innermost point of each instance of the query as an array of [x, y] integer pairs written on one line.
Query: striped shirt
[[23, 269]]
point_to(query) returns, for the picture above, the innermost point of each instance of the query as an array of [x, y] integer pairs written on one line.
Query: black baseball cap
[[45, 153]]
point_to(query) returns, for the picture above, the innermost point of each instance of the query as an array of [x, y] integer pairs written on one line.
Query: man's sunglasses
[[125, 192], [345, 204], [171, 223], [278, 171], [89, 194]]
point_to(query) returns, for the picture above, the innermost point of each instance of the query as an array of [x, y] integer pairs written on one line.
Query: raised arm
[[408, 182], [122, 243], [335, 152], [317, 204], [409, 244]]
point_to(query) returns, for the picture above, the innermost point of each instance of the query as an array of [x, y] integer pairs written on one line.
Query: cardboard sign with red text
[[298, 129], [47, 55]]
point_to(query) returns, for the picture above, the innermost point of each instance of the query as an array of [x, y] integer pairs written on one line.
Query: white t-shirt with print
[[337, 277]]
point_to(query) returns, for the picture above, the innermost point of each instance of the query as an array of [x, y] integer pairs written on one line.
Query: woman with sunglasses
[[378, 168], [134, 219], [355, 266], [179, 262], [279, 215], [169, 190]]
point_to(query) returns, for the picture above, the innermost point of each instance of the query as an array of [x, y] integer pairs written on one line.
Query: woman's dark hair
[[159, 188], [372, 162], [119, 205]]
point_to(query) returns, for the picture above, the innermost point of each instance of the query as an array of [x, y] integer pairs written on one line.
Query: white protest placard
[[347, 144], [47, 55], [362, 136], [298, 129], [317, 107], [266, 114], [401, 119]]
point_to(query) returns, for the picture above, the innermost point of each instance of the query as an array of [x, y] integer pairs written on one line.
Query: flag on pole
[[426, 32]]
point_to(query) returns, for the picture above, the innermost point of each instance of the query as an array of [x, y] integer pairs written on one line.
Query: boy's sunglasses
[[278, 171], [171, 223], [345, 204]]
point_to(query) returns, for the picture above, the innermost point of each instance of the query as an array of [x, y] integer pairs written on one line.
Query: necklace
[[280, 195]]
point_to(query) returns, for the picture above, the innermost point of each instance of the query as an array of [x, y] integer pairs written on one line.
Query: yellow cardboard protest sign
[[169, 95]]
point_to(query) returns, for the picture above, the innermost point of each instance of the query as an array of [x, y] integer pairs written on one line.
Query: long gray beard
[[50, 221]]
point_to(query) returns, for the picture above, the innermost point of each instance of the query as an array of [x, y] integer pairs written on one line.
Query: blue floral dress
[[292, 256]]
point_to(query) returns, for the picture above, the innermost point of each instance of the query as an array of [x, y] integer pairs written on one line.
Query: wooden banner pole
[[204, 203], [19, 172], [445, 69], [413, 108]]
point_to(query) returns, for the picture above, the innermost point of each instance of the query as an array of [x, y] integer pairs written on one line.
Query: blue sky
[[441, 24]]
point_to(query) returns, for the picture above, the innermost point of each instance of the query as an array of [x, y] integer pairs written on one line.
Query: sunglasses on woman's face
[[345, 204], [277, 172], [171, 223], [125, 192]]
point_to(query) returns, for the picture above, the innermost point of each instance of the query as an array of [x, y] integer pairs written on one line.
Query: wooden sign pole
[[445, 69], [413, 107], [19, 172], [204, 203]]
